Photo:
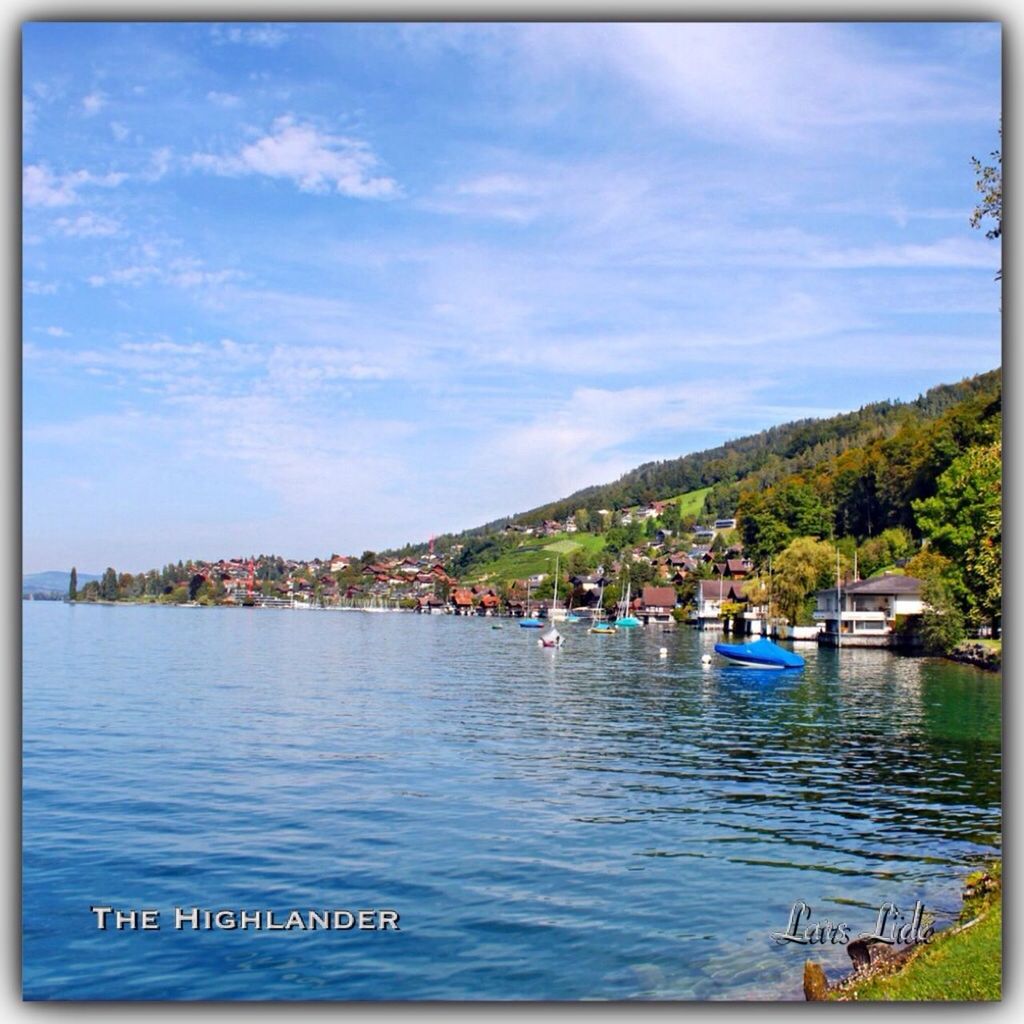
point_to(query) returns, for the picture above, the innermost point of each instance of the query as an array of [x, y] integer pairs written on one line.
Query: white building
[[867, 610], [712, 594]]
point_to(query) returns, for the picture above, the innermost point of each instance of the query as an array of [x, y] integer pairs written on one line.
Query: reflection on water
[[593, 821]]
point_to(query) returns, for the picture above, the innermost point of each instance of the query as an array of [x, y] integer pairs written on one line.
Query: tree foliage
[[989, 183], [804, 567], [963, 521]]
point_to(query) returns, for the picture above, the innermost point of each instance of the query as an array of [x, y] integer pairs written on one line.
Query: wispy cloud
[[315, 161], [88, 225], [42, 187], [226, 100], [265, 36], [93, 104]]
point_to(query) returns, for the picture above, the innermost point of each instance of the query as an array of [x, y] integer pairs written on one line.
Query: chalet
[[867, 610], [712, 594], [489, 604], [657, 605], [339, 563], [430, 605], [588, 583], [462, 602], [681, 562], [738, 568]]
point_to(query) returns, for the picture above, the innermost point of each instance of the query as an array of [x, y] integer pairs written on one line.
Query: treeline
[[758, 461], [172, 583], [928, 496], [771, 453]]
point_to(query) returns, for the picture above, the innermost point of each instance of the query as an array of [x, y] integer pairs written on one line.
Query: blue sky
[[303, 288]]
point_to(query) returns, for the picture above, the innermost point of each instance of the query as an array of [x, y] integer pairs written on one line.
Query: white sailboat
[[556, 614], [598, 623]]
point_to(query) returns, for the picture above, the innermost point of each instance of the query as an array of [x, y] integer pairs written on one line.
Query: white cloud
[[159, 164], [88, 225], [119, 130], [265, 36], [315, 161], [944, 252], [223, 99], [93, 104], [56, 332], [133, 275], [41, 187], [781, 84], [40, 287]]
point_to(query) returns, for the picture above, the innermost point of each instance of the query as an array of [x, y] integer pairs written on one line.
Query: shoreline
[[963, 963]]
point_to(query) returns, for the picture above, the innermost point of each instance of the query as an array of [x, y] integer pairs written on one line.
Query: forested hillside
[[758, 461]]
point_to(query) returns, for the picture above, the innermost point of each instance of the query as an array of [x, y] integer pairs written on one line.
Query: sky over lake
[[314, 288]]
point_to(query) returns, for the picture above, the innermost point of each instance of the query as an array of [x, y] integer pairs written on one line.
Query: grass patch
[[963, 965], [534, 557], [992, 645], [691, 503], [565, 543]]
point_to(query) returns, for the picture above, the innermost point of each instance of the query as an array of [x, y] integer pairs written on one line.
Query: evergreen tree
[[73, 586]]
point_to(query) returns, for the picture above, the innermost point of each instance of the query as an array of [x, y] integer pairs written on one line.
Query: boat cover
[[761, 652]]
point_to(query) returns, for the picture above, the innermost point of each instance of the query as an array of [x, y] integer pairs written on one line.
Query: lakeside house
[[711, 595], [865, 613], [657, 605]]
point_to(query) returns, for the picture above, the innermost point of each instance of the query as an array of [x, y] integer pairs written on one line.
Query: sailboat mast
[[839, 607]]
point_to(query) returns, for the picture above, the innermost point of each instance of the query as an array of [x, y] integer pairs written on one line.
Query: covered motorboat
[[760, 654]]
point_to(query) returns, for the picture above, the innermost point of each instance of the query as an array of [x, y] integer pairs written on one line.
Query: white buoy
[[663, 651], [705, 660]]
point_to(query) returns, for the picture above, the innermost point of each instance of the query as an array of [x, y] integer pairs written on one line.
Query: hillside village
[[861, 527], [698, 575]]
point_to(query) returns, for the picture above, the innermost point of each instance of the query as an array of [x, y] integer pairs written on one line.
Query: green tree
[[964, 522], [73, 585], [887, 548], [989, 183], [806, 565], [942, 624], [108, 586]]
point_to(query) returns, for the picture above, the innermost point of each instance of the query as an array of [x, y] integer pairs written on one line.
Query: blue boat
[[760, 654], [530, 624]]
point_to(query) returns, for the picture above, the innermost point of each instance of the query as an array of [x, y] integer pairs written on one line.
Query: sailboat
[[624, 618], [529, 622], [599, 625], [552, 638], [556, 614]]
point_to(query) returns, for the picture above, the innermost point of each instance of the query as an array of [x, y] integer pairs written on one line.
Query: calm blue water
[[595, 822]]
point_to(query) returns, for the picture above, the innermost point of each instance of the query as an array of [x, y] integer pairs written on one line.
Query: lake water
[[594, 822]]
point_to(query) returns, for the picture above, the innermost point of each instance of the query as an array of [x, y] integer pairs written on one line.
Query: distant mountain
[[49, 584]]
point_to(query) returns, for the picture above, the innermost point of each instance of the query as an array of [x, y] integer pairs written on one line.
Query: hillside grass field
[[535, 556], [691, 503]]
